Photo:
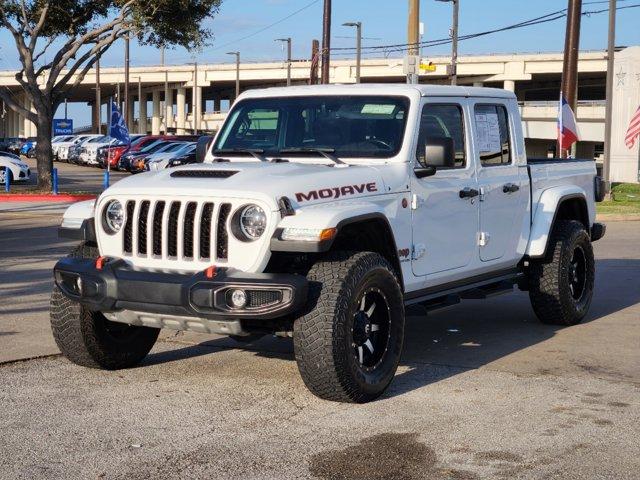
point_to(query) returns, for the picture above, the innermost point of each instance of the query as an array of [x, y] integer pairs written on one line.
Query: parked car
[[28, 147], [11, 165], [179, 156], [113, 152], [186, 158], [319, 213], [14, 144], [169, 149], [61, 149], [89, 150], [143, 142]]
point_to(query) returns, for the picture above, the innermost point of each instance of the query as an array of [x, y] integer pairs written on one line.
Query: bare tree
[[75, 34]]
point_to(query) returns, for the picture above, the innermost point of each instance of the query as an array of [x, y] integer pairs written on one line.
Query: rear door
[[445, 225], [503, 193]]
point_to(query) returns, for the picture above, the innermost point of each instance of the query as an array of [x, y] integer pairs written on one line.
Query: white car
[[319, 213], [17, 170], [89, 149], [61, 149], [159, 161]]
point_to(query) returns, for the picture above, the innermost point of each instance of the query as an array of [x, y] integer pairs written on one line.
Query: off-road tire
[[324, 335], [88, 339], [550, 287]]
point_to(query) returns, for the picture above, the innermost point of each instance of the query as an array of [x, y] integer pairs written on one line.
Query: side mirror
[[202, 147], [427, 171], [440, 152]]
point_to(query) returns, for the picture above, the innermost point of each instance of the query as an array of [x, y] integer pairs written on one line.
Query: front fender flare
[[321, 217]]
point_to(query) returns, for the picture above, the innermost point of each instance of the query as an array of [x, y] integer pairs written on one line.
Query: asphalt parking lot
[[72, 177], [483, 391]]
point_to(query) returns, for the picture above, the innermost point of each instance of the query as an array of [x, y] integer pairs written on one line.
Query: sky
[[239, 23]]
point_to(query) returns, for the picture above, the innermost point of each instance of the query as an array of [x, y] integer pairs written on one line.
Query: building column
[[197, 107], [168, 109], [155, 116], [216, 103], [478, 84], [142, 108], [129, 119], [181, 103], [510, 85], [27, 123], [16, 124]]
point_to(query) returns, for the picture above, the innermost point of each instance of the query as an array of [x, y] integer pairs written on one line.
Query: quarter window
[[442, 120], [492, 135]]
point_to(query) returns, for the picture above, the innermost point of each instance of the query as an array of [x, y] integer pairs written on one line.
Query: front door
[[445, 222], [504, 196]]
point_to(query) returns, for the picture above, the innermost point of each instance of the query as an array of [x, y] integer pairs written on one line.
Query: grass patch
[[618, 207], [625, 192]]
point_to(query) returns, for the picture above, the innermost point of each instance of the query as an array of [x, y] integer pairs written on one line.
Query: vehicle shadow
[[460, 338]]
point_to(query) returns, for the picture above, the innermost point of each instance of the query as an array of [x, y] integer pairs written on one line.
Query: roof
[[381, 89]]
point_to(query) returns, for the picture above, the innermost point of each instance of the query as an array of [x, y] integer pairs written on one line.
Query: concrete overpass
[[202, 100]]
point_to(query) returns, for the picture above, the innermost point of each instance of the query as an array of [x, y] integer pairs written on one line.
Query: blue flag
[[118, 128]]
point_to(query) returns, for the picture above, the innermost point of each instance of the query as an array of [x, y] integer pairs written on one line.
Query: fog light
[[238, 298]]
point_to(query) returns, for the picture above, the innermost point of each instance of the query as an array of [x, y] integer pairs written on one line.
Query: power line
[[263, 29], [403, 47]]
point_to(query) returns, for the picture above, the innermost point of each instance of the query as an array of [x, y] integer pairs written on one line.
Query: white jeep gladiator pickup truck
[[320, 213]]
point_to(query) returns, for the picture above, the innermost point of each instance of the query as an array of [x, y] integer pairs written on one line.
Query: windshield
[[349, 126]]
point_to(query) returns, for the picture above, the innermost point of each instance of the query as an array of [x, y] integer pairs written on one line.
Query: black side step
[[488, 291], [441, 302]]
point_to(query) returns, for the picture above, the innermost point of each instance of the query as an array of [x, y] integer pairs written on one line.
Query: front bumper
[[117, 286]]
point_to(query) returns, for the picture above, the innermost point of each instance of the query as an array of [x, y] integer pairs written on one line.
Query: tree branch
[[7, 97]]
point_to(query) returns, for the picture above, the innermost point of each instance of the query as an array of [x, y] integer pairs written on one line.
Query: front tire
[[561, 287], [349, 341], [88, 339]]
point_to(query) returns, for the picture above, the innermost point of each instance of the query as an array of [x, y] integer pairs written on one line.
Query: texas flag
[[567, 125]]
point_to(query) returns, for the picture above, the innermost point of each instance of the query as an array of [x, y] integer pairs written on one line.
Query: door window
[[442, 120], [492, 127]]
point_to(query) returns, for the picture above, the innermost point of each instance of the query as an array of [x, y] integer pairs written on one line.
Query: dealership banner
[[62, 126]]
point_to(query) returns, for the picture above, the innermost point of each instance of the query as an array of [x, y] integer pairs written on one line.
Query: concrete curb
[[45, 197]]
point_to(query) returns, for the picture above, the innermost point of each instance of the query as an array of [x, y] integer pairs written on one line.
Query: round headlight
[[113, 217], [253, 221]]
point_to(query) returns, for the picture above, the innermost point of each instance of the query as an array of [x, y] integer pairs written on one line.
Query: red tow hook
[[211, 272], [100, 261]]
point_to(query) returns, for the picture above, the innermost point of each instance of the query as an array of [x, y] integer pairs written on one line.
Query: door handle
[[468, 192], [510, 188]]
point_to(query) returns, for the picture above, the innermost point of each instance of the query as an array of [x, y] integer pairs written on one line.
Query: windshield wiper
[[255, 152], [325, 152]]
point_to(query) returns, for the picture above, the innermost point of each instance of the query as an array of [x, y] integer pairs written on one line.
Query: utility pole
[[452, 70], [237, 55], [125, 110], [98, 100], [570, 66], [608, 116], [413, 39], [454, 43], [358, 26], [315, 53], [326, 41], [288, 41]]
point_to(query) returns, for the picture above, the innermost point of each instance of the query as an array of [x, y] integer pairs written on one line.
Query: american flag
[[633, 131]]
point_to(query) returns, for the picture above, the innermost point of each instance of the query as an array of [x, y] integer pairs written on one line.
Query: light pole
[[237, 55], [454, 40], [611, 51], [358, 26], [288, 42]]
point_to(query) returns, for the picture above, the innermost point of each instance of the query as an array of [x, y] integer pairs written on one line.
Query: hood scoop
[[203, 173]]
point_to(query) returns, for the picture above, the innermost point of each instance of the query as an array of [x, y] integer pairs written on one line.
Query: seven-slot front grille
[[176, 230]]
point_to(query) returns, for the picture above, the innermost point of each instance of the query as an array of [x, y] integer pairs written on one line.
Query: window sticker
[[377, 109], [488, 132]]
